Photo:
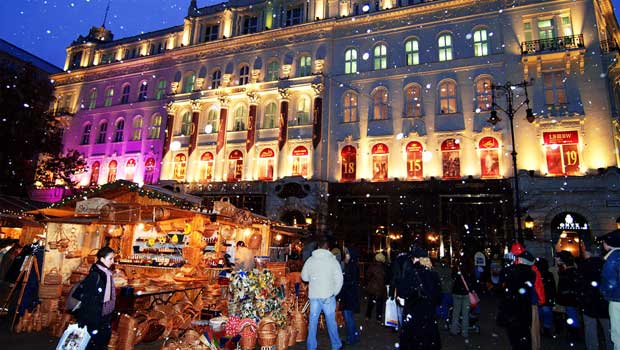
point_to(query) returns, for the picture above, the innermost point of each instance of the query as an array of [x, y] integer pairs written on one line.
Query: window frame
[[555, 90], [414, 103], [155, 128], [186, 123], [240, 118], [92, 99], [445, 47], [380, 104], [216, 79], [350, 61], [273, 119], [304, 65], [273, 75], [125, 94], [119, 130], [379, 59], [189, 86], [136, 131], [449, 99], [481, 42], [109, 96], [350, 110], [143, 91], [412, 52], [86, 130], [485, 96], [161, 89], [102, 133], [244, 74], [214, 122]]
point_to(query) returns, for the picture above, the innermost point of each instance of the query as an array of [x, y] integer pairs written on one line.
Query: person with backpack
[[96, 295]]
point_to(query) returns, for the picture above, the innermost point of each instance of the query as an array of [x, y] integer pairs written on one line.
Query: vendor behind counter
[[244, 257]]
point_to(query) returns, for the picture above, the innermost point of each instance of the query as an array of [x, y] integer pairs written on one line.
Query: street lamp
[[508, 89]]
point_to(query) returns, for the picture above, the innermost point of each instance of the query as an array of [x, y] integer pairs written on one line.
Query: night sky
[[46, 27]]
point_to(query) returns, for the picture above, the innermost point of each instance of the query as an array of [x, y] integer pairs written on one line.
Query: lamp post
[[508, 90]]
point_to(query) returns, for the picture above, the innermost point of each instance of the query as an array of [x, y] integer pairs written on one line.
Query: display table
[[127, 300]]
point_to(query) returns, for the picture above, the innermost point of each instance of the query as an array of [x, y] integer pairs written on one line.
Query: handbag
[[74, 338], [473, 296]]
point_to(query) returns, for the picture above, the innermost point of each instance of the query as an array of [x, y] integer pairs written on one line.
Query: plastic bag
[[74, 338], [391, 313]]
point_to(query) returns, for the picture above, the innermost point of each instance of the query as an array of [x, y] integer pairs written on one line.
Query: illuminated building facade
[[359, 114]]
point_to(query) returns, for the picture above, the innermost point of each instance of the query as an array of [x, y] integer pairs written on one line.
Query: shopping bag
[[74, 338], [391, 313], [473, 299]]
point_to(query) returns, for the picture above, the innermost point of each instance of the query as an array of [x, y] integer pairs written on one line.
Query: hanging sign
[[91, 206]]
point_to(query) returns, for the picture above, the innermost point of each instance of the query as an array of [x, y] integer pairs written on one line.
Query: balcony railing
[[560, 43], [608, 46]]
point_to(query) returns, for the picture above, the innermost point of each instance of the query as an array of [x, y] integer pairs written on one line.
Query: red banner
[[380, 148], [249, 142], [300, 151], [450, 145], [207, 156], [236, 154], [560, 137], [380, 167], [316, 121], [570, 156], [267, 153], [451, 163], [193, 134], [488, 142], [221, 135], [554, 160], [283, 135], [348, 158], [489, 163], [168, 137], [415, 167]]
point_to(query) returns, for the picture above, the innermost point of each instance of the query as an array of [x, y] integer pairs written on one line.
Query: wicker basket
[[53, 277], [248, 342], [282, 340], [49, 291]]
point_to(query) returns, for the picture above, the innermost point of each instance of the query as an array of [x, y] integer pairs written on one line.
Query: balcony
[[555, 44], [608, 46]]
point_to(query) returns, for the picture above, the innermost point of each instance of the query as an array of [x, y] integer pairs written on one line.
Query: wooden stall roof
[[292, 231]]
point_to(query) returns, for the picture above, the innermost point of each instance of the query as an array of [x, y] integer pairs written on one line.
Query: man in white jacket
[[324, 275]]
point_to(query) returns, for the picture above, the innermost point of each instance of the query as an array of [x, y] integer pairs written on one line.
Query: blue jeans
[[353, 335], [546, 316], [443, 310], [328, 307], [573, 313]]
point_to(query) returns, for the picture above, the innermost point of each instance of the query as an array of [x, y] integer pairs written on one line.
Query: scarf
[[613, 249], [109, 295]]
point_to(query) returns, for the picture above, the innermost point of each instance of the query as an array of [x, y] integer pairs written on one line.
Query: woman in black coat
[[350, 294], [97, 296]]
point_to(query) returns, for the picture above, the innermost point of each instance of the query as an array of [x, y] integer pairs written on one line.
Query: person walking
[[375, 281], [568, 285], [537, 296], [396, 275], [610, 283], [462, 284], [444, 271], [420, 290], [545, 309], [350, 294], [594, 306], [324, 276], [97, 297]]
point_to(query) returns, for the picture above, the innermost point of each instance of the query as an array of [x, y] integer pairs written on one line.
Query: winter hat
[[612, 239], [517, 249], [527, 258], [380, 257]]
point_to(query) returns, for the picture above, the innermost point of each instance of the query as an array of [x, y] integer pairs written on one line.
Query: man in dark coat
[[375, 286], [350, 294], [568, 288], [421, 290], [546, 308]]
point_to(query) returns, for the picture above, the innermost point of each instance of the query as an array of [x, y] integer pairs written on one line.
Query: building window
[[567, 28], [188, 82], [235, 166], [210, 33], [447, 97], [216, 79], [109, 94], [108, 57], [350, 61], [555, 88], [562, 152], [413, 101], [380, 57], [302, 112], [92, 99], [300, 161], [76, 60], [244, 75], [380, 153], [118, 132], [240, 119], [161, 90], [212, 122], [348, 159], [546, 29], [415, 167], [144, 88], [112, 167], [481, 43], [305, 66], [180, 164], [103, 130], [349, 104], [266, 164], [94, 173], [130, 169], [273, 71], [149, 169], [445, 47], [206, 167], [250, 25], [484, 95], [451, 159], [271, 117], [136, 132], [125, 94], [294, 16], [412, 51], [186, 124], [155, 128], [489, 158], [380, 104], [86, 134]]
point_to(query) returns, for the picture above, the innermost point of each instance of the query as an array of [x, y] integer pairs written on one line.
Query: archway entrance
[[569, 231]]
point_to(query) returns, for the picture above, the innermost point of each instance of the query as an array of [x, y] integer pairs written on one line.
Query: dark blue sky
[[46, 27]]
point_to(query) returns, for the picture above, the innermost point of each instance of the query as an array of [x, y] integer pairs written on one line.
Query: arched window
[[92, 99], [180, 164], [380, 153], [481, 42], [161, 89], [273, 71], [348, 159], [212, 121], [186, 123], [489, 157], [103, 131], [380, 57], [94, 173], [155, 129], [235, 166], [271, 118], [380, 100], [130, 169], [302, 111], [244, 75], [206, 167], [349, 103], [188, 82], [144, 88], [86, 134], [413, 101], [451, 159], [266, 164], [412, 50], [447, 97], [350, 61], [112, 167], [109, 95], [149, 169], [300, 161], [240, 119], [305, 66], [119, 129], [484, 96], [125, 94], [216, 79], [444, 42], [136, 132], [415, 170]]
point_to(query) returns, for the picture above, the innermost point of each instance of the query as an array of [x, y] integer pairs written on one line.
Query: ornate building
[[364, 116]]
